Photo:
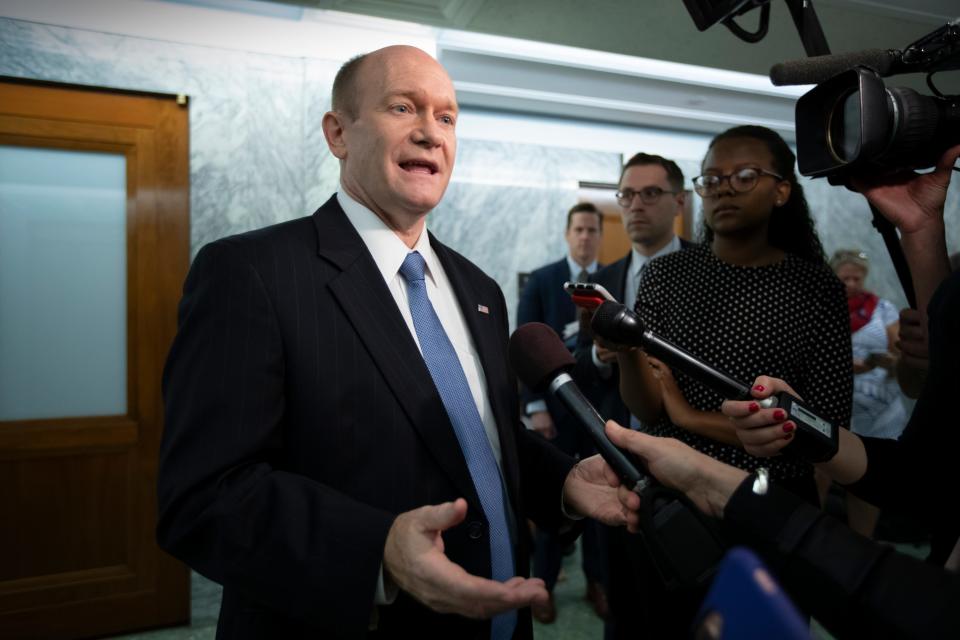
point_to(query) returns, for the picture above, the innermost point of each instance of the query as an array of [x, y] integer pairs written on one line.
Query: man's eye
[[446, 120], [401, 108]]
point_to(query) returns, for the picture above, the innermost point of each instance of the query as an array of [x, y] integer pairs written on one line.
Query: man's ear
[[333, 130], [681, 201]]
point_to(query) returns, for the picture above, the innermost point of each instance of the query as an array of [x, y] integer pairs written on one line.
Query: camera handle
[[808, 27], [890, 238]]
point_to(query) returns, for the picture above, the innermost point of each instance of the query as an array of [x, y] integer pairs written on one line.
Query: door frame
[[148, 588]]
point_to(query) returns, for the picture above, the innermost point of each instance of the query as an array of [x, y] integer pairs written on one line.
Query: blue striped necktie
[[448, 377]]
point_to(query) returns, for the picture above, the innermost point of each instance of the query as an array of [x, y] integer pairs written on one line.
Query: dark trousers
[[548, 555]]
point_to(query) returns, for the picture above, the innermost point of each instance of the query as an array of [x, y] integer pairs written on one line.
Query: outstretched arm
[[709, 424]]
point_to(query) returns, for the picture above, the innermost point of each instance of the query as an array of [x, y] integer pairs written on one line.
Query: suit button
[[475, 530]]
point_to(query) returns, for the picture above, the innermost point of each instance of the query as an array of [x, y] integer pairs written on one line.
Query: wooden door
[[78, 556]]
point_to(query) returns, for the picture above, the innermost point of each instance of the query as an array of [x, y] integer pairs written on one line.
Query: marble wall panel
[[506, 206], [321, 169], [247, 164]]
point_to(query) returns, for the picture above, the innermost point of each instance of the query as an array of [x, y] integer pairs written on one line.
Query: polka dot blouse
[[787, 320]]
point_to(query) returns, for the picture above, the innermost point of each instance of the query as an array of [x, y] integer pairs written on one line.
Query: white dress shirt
[[637, 262], [389, 252]]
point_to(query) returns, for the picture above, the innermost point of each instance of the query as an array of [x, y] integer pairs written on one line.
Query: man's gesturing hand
[[415, 560]]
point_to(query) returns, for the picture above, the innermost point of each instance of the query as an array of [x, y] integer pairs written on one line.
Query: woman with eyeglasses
[[755, 296]]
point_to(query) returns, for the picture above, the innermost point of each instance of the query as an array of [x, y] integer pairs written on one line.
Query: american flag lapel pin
[[482, 308]]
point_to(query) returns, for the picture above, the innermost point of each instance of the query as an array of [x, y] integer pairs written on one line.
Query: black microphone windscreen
[[537, 354], [614, 322], [818, 69]]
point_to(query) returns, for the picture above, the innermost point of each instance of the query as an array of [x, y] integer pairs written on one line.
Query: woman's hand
[[763, 432], [709, 424], [708, 483], [678, 409]]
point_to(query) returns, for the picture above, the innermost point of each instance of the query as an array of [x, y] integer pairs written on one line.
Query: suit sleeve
[[227, 508], [855, 587]]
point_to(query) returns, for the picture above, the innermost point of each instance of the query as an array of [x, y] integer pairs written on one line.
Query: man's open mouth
[[419, 166]]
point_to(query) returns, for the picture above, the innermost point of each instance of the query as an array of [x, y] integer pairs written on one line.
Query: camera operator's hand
[[910, 200], [914, 203], [763, 432], [708, 483]]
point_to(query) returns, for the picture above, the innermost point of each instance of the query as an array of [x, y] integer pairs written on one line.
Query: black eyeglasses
[[741, 181], [648, 195]]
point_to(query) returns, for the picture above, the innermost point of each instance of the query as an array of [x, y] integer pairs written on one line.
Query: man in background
[[651, 196], [544, 300]]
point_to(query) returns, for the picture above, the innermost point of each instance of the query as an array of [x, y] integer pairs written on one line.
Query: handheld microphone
[[816, 440], [542, 363], [614, 322], [817, 69], [685, 544]]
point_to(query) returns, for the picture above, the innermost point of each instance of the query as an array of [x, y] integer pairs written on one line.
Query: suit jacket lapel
[[622, 278], [371, 309], [484, 328]]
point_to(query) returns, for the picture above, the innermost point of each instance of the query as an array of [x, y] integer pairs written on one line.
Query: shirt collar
[[575, 268], [386, 247], [638, 260]]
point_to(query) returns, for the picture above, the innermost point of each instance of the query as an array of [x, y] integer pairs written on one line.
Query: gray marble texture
[[247, 114], [507, 203]]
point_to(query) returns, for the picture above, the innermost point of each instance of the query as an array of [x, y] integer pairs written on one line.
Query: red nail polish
[[754, 407], [779, 415], [788, 436], [759, 387], [788, 427]]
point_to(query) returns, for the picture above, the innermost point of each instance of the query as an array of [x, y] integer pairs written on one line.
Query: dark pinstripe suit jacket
[[301, 419]]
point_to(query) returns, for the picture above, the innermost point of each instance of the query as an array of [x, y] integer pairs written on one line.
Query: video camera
[[851, 121]]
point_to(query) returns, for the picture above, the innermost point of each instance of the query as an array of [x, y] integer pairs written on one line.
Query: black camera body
[[851, 121], [854, 122]]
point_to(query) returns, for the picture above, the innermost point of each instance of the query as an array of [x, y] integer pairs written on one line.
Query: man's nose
[[428, 132]]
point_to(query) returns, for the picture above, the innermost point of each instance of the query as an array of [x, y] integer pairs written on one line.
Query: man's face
[[398, 153], [649, 225], [583, 237]]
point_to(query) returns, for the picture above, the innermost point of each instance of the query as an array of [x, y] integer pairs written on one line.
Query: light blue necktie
[[448, 376]]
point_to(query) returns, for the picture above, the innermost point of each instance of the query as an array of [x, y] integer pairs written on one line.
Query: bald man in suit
[[342, 449]]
